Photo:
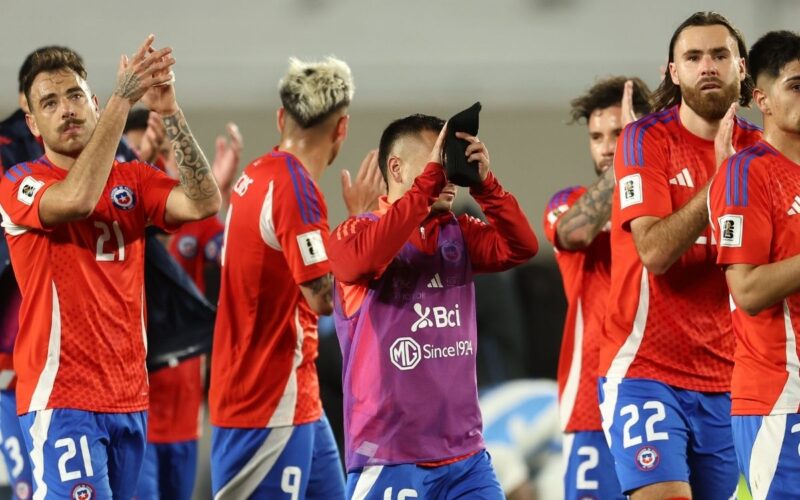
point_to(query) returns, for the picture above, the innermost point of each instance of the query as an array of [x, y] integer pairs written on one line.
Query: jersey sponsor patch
[[554, 214], [311, 247], [630, 190], [28, 189], [730, 230]]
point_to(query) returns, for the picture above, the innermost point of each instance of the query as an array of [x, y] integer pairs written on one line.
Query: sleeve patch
[[730, 230], [28, 189], [311, 247], [630, 190]]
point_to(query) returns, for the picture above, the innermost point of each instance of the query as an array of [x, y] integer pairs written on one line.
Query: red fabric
[[586, 275], [82, 285], [196, 244], [176, 394], [361, 248], [265, 337], [676, 327], [758, 190]]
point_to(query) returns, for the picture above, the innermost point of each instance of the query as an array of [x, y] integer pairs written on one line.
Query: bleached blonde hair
[[312, 91]]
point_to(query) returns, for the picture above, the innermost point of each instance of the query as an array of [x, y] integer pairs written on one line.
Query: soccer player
[[176, 392], [270, 438], [404, 307], [754, 203], [75, 222], [576, 223], [667, 349]]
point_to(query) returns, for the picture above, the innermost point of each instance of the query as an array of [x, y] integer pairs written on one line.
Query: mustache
[[711, 79], [70, 122]]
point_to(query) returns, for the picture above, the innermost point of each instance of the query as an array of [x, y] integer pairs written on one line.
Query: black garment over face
[[459, 170]]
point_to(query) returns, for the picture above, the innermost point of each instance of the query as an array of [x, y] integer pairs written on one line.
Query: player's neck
[[59, 160], [314, 158], [696, 124], [787, 143]]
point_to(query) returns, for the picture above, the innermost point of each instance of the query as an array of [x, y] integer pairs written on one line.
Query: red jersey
[[265, 337], [754, 203], [196, 244], [586, 274], [81, 342], [676, 327]]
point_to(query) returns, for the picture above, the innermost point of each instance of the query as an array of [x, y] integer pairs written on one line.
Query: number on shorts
[[649, 425], [69, 443], [105, 235], [13, 450], [795, 429], [590, 463], [401, 495], [290, 481]]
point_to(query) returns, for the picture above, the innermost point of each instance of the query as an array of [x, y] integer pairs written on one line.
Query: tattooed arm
[[76, 196], [319, 294], [197, 196], [577, 228]]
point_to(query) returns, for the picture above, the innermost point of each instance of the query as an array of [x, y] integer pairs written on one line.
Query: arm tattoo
[[196, 178], [592, 210], [127, 84], [321, 286]]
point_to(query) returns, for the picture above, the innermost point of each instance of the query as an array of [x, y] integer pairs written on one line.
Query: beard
[[711, 106]]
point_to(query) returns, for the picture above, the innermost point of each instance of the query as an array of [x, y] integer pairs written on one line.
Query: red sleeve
[[361, 248], [300, 219], [20, 196], [640, 167], [740, 210], [156, 187], [559, 204], [507, 240]]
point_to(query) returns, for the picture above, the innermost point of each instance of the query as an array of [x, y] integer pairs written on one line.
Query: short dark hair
[[410, 125], [772, 52], [137, 119], [49, 58], [668, 94], [608, 92]]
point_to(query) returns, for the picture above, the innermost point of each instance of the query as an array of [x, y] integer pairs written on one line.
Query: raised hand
[[723, 141], [362, 196], [144, 70], [436, 152], [628, 113], [476, 151], [154, 139], [228, 154]]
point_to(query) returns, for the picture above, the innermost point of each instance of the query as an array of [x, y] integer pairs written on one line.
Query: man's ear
[[394, 169], [281, 119], [31, 121]]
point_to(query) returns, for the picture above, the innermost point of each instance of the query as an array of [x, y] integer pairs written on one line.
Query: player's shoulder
[[653, 125], [746, 133], [354, 223], [563, 197], [744, 170], [39, 168]]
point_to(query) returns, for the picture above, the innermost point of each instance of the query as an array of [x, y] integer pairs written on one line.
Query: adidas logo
[[435, 282], [795, 206], [684, 178]]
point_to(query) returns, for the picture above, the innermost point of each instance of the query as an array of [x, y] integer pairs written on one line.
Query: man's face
[[783, 97], [708, 68], [62, 111], [413, 152], [604, 126]]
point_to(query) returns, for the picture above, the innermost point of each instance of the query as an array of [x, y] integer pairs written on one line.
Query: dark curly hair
[[46, 59], [606, 93]]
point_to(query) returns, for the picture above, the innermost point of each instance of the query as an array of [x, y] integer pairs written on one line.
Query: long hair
[[668, 94]]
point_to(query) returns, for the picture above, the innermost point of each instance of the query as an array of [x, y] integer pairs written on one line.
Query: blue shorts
[[14, 452], [590, 471], [291, 462], [768, 451], [471, 478], [660, 433], [81, 454], [169, 471]]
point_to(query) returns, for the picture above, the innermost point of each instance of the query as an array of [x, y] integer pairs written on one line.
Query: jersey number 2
[[105, 235]]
